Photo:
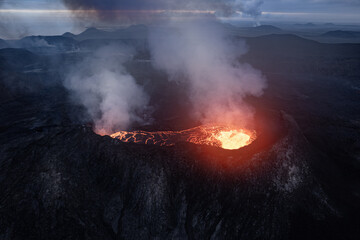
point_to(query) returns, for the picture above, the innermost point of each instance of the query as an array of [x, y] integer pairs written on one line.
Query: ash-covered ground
[[300, 180]]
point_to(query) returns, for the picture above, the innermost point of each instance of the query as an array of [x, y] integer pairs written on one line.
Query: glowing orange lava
[[233, 139], [219, 136]]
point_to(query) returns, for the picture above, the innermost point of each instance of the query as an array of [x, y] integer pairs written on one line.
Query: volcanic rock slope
[[59, 180], [68, 183]]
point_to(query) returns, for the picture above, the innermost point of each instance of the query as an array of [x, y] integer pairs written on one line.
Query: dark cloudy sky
[[341, 7], [269, 5], [52, 16]]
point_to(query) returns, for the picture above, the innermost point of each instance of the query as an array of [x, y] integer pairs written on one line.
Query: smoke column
[[201, 54], [110, 95], [198, 52]]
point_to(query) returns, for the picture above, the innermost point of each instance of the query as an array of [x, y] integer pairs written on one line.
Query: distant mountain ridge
[[341, 34], [68, 35], [131, 32], [293, 45], [141, 32], [267, 28], [46, 40], [310, 24]]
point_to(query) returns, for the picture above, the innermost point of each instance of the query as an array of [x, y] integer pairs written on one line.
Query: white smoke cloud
[[202, 54], [250, 7], [109, 93]]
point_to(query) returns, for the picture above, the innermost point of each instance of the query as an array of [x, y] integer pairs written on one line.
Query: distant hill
[[281, 43], [90, 44], [258, 31], [45, 44], [131, 32], [290, 53], [292, 38], [46, 41], [140, 32], [341, 34], [293, 45], [269, 28], [305, 25], [68, 35]]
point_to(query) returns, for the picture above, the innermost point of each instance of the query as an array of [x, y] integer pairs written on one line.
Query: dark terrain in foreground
[[300, 180]]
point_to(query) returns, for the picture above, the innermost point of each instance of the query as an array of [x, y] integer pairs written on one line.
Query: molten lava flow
[[219, 136]]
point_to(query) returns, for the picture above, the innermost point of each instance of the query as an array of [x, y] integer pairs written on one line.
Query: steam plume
[[110, 95], [202, 54], [198, 52]]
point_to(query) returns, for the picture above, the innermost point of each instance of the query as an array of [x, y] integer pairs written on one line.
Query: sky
[[22, 17], [309, 6]]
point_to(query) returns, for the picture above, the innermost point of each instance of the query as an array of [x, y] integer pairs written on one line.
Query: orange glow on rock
[[217, 136]]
